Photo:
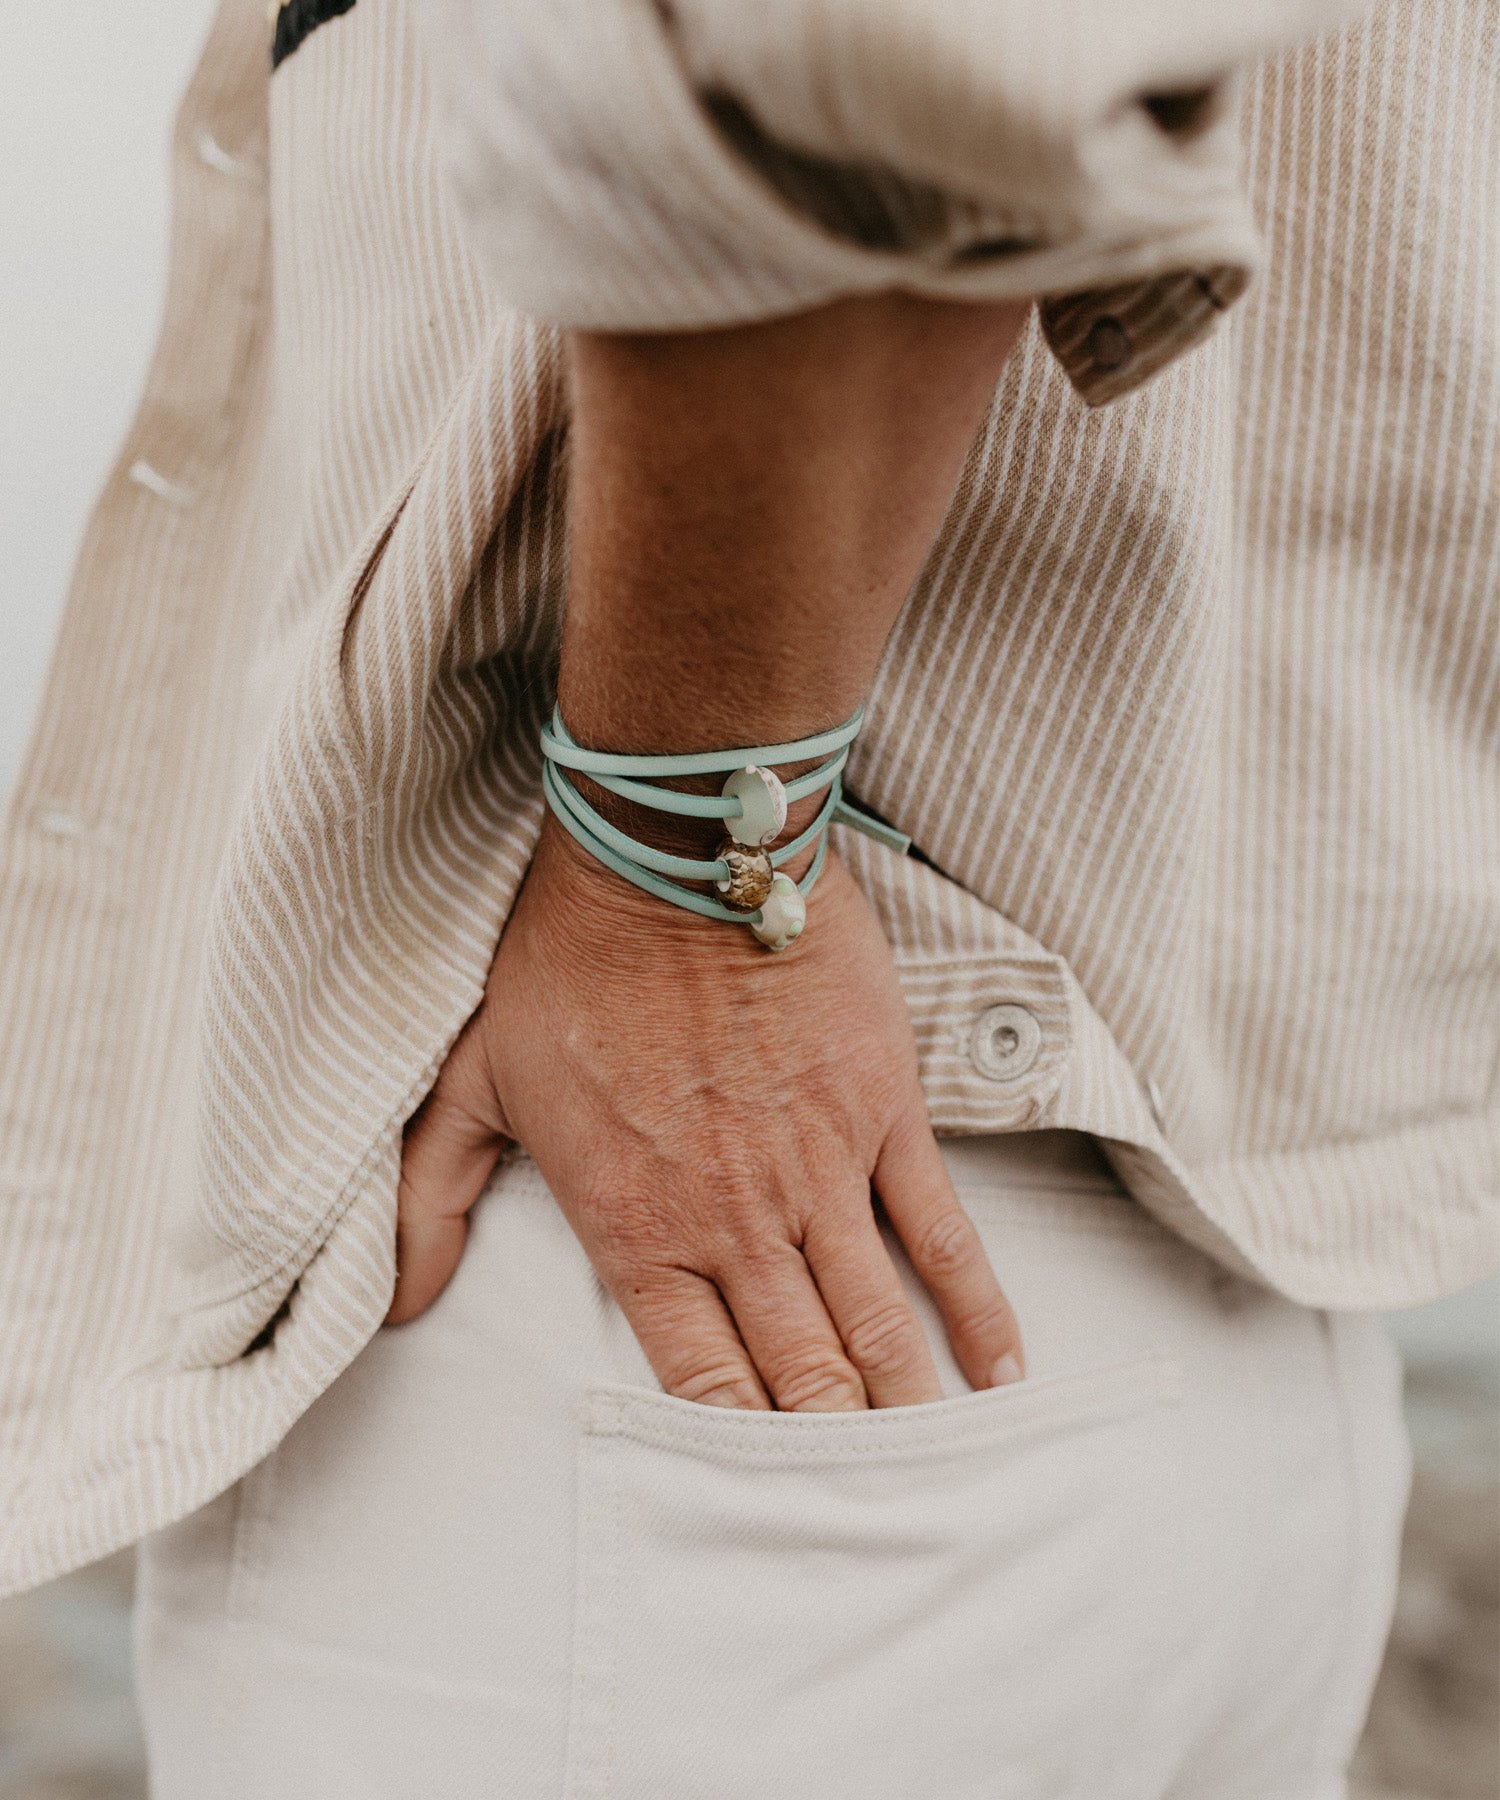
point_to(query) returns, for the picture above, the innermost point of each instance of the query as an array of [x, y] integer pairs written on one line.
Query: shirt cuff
[[627, 165]]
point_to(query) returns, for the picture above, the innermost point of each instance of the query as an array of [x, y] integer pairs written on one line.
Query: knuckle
[[817, 1380], [884, 1342], [754, 1222], [755, 1261], [712, 1378], [946, 1245], [987, 1323]]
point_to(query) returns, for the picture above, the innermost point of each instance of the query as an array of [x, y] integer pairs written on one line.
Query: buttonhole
[[213, 153], [144, 475]]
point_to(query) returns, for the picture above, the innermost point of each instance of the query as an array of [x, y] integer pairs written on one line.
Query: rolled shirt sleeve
[[657, 165]]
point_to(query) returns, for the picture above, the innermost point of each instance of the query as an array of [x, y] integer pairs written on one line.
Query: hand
[[715, 1121]]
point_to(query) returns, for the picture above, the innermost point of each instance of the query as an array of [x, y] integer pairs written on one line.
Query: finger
[[450, 1150], [690, 1341], [790, 1337], [945, 1250], [869, 1307]]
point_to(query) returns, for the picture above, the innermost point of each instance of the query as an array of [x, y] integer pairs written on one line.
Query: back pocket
[[782, 1606]]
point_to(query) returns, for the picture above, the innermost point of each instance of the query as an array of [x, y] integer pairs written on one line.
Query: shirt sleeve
[[679, 164]]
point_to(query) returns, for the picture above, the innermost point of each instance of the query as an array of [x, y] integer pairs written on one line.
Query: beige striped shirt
[[1192, 712]]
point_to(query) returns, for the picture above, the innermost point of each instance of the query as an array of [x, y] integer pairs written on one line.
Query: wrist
[[748, 880], [581, 893], [651, 732], [694, 706], [700, 839]]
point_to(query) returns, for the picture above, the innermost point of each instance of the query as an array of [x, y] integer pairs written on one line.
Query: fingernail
[[1007, 1370]]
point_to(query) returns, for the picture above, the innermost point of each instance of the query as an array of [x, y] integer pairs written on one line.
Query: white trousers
[[496, 1561]]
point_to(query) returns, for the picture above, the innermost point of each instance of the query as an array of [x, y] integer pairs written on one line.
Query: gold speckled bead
[[750, 876]]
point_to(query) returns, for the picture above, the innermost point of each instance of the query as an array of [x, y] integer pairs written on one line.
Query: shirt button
[[1004, 1042], [1108, 344]]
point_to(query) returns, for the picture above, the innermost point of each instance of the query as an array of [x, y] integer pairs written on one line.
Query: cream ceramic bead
[[782, 916], [763, 802]]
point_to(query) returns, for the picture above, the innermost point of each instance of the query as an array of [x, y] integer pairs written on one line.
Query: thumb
[[452, 1144]]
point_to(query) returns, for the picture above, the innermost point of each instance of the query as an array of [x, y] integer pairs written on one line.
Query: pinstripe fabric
[[1194, 707]]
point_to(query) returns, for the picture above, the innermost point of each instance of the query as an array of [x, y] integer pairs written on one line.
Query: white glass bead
[[762, 800], [782, 916]]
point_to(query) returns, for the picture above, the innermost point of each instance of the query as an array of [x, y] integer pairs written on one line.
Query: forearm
[[750, 508]]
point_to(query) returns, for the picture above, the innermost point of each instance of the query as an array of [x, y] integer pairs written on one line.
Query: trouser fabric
[[494, 1560]]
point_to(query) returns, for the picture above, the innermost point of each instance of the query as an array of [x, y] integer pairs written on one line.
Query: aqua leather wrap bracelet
[[752, 807]]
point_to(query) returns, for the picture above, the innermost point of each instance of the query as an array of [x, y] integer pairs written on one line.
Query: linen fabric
[[1192, 713], [495, 1559]]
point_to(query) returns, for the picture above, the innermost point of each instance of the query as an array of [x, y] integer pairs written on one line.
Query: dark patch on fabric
[[1187, 113], [267, 1331], [868, 205], [297, 18]]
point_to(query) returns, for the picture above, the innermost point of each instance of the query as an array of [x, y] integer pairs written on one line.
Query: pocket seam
[[892, 1434]]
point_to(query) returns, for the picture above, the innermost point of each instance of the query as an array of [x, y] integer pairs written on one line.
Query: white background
[[87, 93]]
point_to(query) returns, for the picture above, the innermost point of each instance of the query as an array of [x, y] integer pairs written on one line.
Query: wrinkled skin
[[716, 1122]]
